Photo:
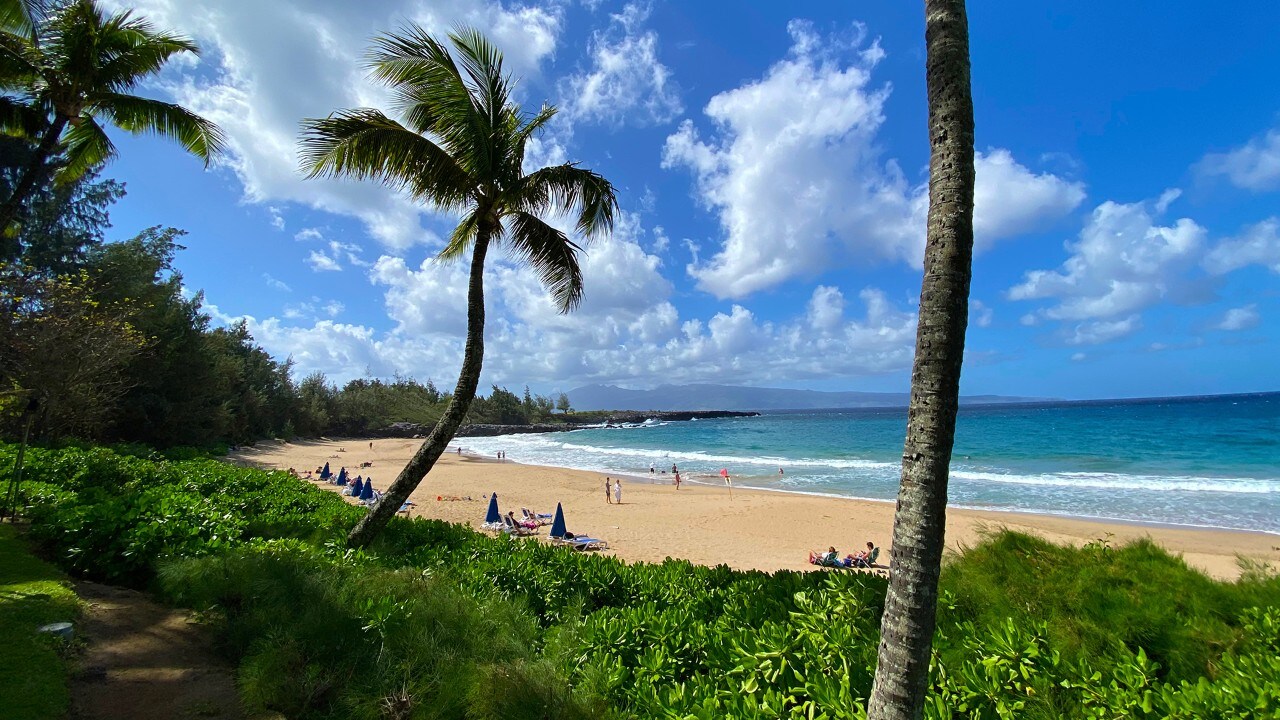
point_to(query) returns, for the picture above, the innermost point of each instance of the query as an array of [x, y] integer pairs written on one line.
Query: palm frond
[[199, 136], [483, 64], [365, 144], [86, 146], [20, 62], [432, 95], [521, 137], [553, 257], [571, 190], [21, 17], [21, 119], [136, 55], [463, 235]]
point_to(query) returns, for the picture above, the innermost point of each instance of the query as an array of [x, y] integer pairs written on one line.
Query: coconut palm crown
[[67, 68], [459, 147]]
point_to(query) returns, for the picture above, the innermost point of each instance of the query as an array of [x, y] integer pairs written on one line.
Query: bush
[[439, 621]]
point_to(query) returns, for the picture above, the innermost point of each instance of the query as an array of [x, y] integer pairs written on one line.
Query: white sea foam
[[1119, 481]]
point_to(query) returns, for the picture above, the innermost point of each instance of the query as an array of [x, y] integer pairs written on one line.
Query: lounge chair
[[869, 561], [539, 518], [587, 543], [512, 527]]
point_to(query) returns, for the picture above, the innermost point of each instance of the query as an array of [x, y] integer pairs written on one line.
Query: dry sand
[[755, 529]]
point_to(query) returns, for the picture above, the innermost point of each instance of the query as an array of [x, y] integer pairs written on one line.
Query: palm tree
[[906, 630], [65, 70], [461, 150]]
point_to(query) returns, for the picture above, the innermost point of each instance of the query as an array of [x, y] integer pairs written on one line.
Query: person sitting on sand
[[817, 557]]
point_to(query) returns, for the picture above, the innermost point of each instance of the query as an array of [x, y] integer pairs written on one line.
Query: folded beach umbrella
[[342, 476], [357, 488], [557, 526], [367, 492], [492, 517], [324, 474]]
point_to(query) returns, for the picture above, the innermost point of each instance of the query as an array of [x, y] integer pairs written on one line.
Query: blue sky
[[771, 162]]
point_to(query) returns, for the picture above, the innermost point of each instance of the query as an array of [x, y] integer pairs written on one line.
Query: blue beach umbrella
[[367, 492], [324, 474], [492, 516], [342, 476], [357, 488], [557, 526]]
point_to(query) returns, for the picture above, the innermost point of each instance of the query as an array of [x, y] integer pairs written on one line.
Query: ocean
[[1198, 461]]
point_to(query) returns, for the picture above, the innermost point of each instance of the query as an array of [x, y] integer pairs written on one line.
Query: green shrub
[[434, 613]]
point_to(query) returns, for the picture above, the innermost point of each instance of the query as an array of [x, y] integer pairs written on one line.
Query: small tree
[[562, 404]]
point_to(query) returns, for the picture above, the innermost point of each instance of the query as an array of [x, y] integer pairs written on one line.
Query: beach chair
[[539, 518], [869, 561], [511, 527], [587, 543]]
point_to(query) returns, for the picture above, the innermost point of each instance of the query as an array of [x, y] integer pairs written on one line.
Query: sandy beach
[[755, 529]]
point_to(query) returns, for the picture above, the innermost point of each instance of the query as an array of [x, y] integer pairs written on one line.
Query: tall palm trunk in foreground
[[461, 149], [906, 631]]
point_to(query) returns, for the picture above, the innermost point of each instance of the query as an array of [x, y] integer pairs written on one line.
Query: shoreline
[[760, 528]]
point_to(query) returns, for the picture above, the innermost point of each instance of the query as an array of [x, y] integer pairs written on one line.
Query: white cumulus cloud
[[1124, 261], [626, 81], [1241, 318], [1253, 166], [793, 169]]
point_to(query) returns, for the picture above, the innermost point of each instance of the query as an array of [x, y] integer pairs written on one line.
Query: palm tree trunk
[[33, 174], [433, 447], [906, 630]]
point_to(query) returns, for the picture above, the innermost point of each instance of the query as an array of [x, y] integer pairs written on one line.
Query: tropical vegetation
[[66, 67], [435, 620], [461, 148]]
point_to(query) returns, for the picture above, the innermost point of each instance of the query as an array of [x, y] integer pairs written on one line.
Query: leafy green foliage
[[439, 621]]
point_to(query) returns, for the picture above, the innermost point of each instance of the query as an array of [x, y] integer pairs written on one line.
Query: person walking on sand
[[617, 491], [677, 478], [608, 490], [652, 469]]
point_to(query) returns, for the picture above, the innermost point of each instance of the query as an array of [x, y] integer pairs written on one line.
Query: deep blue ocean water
[[1211, 461]]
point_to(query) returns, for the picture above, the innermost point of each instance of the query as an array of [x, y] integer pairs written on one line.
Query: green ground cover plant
[[436, 620], [33, 670]]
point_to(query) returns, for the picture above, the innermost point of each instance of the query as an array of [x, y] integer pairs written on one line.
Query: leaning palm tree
[[460, 149], [906, 629], [67, 68]]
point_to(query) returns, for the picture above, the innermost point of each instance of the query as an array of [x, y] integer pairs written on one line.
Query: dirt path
[[147, 662]]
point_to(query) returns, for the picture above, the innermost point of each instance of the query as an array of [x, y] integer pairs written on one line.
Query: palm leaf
[[20, 17], [432, 95], [200, 137], [553, 257], [20, 119], [571, 190], [138, 55], [86, 146], [463, 235], [365, 144]]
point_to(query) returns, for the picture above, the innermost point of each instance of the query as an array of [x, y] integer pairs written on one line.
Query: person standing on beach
[[617, 491], [608, 490], [677, 478], [652, 469]]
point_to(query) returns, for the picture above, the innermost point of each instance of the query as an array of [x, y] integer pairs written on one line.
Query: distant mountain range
[[730, 397]]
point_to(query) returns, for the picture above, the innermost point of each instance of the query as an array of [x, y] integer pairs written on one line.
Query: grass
[[33, 675]]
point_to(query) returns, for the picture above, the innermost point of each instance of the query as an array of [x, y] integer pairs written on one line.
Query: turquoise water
[[1211, 462]]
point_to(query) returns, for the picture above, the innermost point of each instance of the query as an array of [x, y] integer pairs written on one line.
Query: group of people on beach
[[831, 558], [613, 491]]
